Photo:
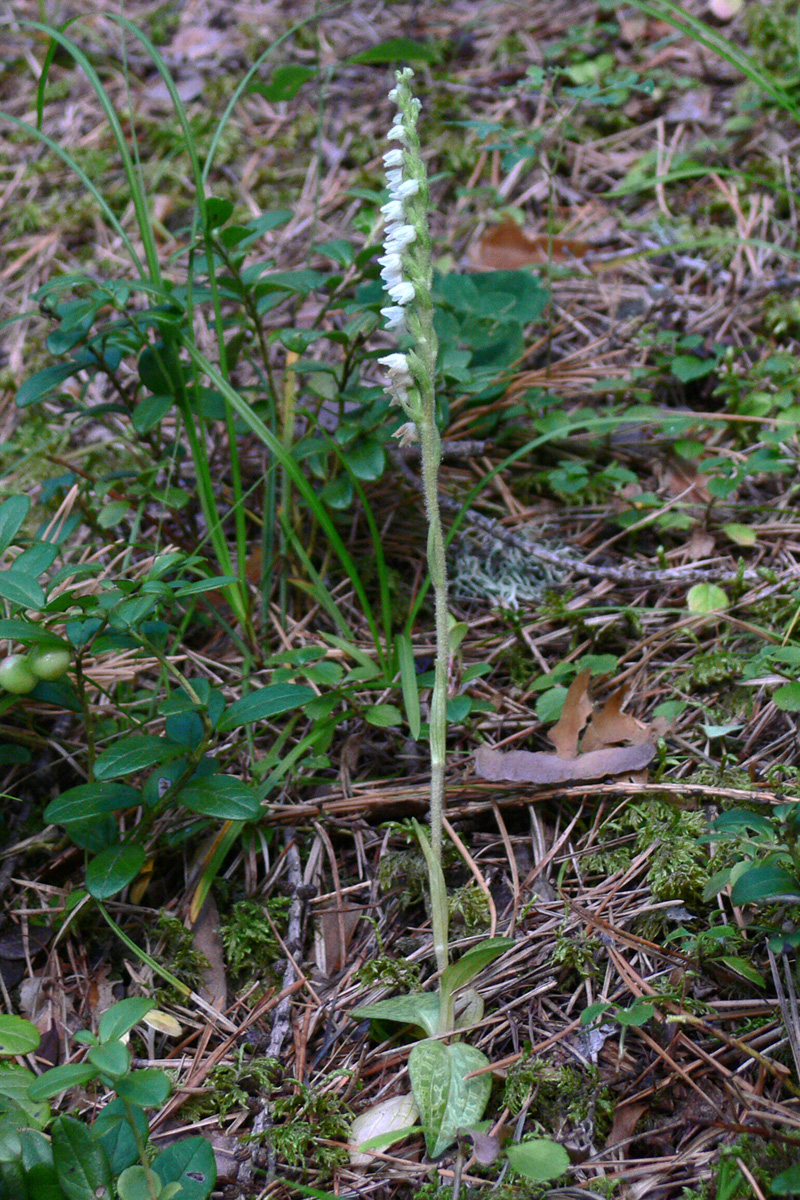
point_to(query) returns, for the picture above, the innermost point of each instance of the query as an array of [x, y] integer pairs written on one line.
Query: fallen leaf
[[207, 939], [725, 10], [610, 725], [524, 766], [506, 247], [700, 545], [485, 1146], [391, 1116], [333, 932], [574, 715], [624, 1123]]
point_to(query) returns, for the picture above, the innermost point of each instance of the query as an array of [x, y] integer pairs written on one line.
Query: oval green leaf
[[191, 1163], [112, 870], [90, 800], [539, 1159], [446, 1098], [223, 797], [136, 752], [17, 1036], [765, 883], [263, 703], [706, 598]]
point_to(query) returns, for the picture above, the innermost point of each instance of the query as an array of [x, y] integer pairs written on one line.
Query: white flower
[[395, 179], [402, 293], [393, 210], [392, 261], [395, 364], [398, 133], [393, 158], [404, 190], [407, 434], [399, 236], [395, 316]]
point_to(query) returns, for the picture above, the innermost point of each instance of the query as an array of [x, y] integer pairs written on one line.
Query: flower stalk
[[407, 273]]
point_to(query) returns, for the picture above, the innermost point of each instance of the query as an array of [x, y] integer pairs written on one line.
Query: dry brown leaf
[[574, 715], [609, 726], [522, 766], [700, 545], [624, 1123], [334, 929], [506, 247], [207, 939]]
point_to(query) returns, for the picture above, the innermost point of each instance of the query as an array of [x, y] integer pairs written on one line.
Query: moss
[[304, 1122], [558, 1094], [248, 936]]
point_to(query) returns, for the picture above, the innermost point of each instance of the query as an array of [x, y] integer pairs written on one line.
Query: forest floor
[[632, 479]]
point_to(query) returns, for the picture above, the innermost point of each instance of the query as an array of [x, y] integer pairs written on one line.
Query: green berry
[[16, 676], [48, 663]]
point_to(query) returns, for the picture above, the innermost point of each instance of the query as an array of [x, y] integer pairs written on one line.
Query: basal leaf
[[446, 1098], [540, 1159], [416, 1008]]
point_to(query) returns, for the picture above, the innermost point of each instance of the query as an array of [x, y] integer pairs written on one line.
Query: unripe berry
[[48, 663], [16, 676]]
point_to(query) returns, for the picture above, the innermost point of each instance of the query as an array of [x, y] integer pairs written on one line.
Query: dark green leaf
[[765, 883], [60, 1079], [397, 50], [113, 869], [148, 1088], [189, 1162], [13, 512], [133, 753], [540, 1159], [263, 703], [366, 458], [113, 1129], [218, 211], [285, 83], [40, 384], [90, 800], [112, 1058], [21, 588], [787, 1183], [223, 797], [15, 1098], [80, 1161], [150, 411], [17, 1036], [687, 367], [122, 1016]]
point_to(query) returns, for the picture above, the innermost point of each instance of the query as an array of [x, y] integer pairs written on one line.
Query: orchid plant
[[447, 1094]]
